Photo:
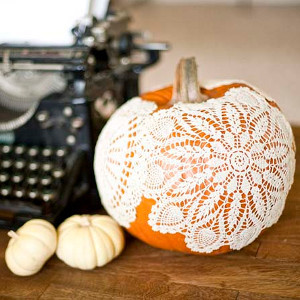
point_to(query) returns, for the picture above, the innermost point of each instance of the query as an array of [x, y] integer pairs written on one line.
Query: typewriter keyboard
[[34, 181]]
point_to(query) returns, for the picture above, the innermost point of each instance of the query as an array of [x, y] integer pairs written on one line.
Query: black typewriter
[[54, 100]]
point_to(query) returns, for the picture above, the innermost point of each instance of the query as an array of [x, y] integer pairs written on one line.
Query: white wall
[[259, 45], [231, 2]]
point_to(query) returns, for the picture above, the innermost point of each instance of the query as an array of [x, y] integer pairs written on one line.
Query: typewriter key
[[5, 149], [33, 151], [33, 194], [17, 178], [68, 111], [5, 190], [71, 140], [33, 166], [20, 164], [47, 166], [58, 173], [6, 163], [32, 179], [4, 177], [61, 152], [48, 195], [46, 180], [77, 122], [47, 152], [19, 192], [20, 150], [42, 116]]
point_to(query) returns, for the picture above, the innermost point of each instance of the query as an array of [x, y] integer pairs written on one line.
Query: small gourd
[[30, 247], [89, 241]]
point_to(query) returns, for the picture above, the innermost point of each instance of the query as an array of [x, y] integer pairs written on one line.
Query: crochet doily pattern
[[219, 171]]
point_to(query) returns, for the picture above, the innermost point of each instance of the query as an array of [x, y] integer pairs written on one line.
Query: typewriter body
[[54, 100]]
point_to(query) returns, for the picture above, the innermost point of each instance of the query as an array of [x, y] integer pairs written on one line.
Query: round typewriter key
[[61, 152], [68, 111], [33, 151], [77, 122], [5, 190], [17, 178], [48, 195], [46, 180], [33, 166], [4, 177], [32, 179], [42, 116], [5, 149], [47, 152], [20, 150], [47, 166], [33, 193], [6, 163], [20, 164], [19, 192], [71, 140], [58, 173]]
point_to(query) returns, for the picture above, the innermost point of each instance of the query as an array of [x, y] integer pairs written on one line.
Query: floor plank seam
[[40, 296], [258, 249]]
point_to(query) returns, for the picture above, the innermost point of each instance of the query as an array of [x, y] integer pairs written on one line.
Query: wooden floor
[[269, 268]]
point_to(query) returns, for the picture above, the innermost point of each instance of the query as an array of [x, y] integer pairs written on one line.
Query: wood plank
[[256, 296], [279, 252], [137, 288], [158, 269], [286, 230]]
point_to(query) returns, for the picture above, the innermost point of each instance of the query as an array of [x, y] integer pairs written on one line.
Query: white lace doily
[[219, 171]]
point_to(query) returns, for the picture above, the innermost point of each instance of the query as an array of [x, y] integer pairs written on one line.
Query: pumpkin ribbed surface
[[196, 170]]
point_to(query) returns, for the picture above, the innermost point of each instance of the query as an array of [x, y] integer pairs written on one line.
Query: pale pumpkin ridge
[[16, 260], [41, 222], [68, 223], [88, 228], [103, 243], [116, 230], [41, 241], [85, 231], [94, 246], [61, 251], [74, 253], [63, 232]]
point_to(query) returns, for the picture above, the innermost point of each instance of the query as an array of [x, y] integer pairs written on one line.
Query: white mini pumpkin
[[30, 247], [89, 241]]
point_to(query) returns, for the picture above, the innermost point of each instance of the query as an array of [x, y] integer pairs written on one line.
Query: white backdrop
[[43, 21], [232, 2]]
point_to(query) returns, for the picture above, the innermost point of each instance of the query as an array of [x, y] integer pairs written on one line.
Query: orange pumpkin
[[199, 170]]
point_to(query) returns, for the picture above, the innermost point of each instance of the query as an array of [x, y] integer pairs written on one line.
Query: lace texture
[[219, 171]]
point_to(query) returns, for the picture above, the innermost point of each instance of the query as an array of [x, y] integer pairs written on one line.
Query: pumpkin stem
[[85, 221], [12, 234], [186, 86]]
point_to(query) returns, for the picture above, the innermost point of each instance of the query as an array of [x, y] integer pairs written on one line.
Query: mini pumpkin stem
[[85, 221], [12, 234], [186, 86]]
